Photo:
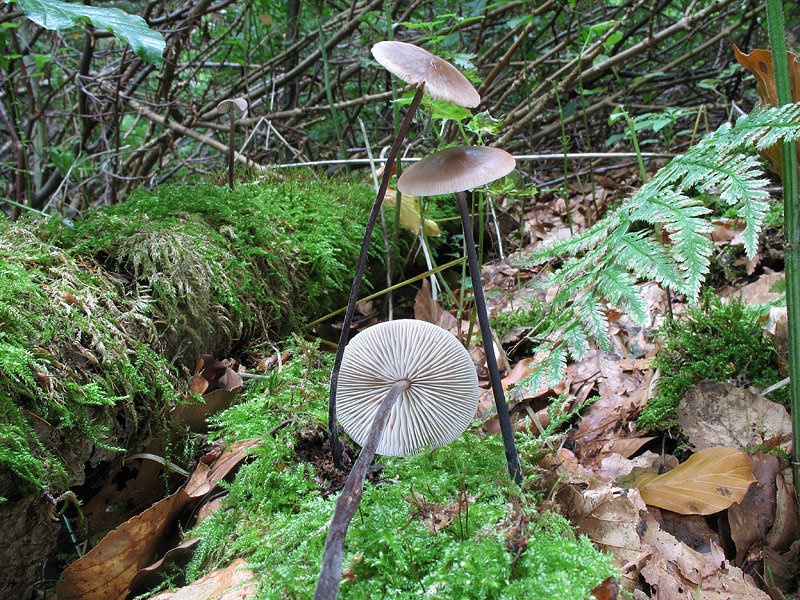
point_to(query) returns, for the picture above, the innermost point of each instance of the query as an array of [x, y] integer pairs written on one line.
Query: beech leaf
[[709, 482], [410, 217]]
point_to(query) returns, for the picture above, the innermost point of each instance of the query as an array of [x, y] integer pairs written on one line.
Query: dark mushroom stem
[[512, 458], [230, 148], [350, 498], [333, 432]]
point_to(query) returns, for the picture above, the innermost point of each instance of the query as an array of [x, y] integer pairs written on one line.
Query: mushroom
[[404, 385], [454, 170], [230, 105], [440, 80]]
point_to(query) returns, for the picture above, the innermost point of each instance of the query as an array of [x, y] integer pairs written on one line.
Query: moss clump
[[535, 317], [713, 341], [217, 267], [502, 547], [68, 354]]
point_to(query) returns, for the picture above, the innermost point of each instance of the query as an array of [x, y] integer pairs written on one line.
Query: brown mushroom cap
[[440, 402], [415, 65], [455, 169]]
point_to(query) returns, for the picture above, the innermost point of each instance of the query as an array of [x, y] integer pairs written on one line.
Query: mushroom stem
[[512, 458], [230, 149], [333, 432], [347, 504]]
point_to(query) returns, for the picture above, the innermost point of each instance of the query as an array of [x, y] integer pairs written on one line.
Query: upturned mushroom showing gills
[[404, 385], [441, 80], [454, 170]]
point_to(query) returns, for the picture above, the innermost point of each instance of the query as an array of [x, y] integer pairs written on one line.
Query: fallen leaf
[[430, 310], [754, 515], [759, 291], [611, 518], [759, 63], [151, 576], [676, 572], [105, 572], [710, 481], [234, 582], [692, 530], [786, 528], [721, 414], [410, 216]]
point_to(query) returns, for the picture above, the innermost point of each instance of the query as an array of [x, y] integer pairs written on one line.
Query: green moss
[[714, 341], [217, 267], [277, 517], [67, 353], [534, 316]]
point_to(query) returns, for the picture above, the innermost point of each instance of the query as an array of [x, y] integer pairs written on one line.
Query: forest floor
[[697, 504]]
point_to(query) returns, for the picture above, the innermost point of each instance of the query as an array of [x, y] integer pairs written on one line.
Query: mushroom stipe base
[[350, 498]]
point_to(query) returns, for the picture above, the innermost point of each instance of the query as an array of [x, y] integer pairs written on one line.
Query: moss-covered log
[[97, 318]]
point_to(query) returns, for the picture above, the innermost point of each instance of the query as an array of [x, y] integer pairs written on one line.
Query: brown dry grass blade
[[709, 482]]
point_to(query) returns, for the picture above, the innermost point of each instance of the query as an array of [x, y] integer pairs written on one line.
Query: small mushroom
[[441, 80], [416, 65], [454, 170], [403, 385], [230, 105]]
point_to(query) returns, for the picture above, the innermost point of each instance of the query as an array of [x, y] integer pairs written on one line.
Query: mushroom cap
[[415, 65], [230, 104], [434, 410], [455, 169]]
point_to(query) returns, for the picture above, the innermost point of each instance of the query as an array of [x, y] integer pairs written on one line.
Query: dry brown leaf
[[754, 515], [430, 310], [520, 371], [759, 63], [611, 518], [759, 291], [676, 572], [692, 530], [234, 582], [105, 572], [151, 576], [721, 414], [786, 528], [710, 481]]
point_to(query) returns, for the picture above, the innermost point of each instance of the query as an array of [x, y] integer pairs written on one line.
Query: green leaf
[[147, 43]]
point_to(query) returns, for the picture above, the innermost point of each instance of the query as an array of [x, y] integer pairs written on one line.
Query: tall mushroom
[[403, 385], [454, 170], [230, 105], [440, 80]]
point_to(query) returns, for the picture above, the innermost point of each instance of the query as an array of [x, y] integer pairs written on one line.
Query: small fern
[[604, 263]]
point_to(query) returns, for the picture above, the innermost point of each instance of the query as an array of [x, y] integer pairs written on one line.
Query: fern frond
[[605, 261], [576, 340], [593, 319], [619, 287], [643, 255]]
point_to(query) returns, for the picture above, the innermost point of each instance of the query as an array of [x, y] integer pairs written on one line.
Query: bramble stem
[[512, 458], [330, 573], [791, 213], [333, 433]]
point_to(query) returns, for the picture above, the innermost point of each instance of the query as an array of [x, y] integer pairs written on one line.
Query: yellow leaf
[[710, 481], [410, 217]]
